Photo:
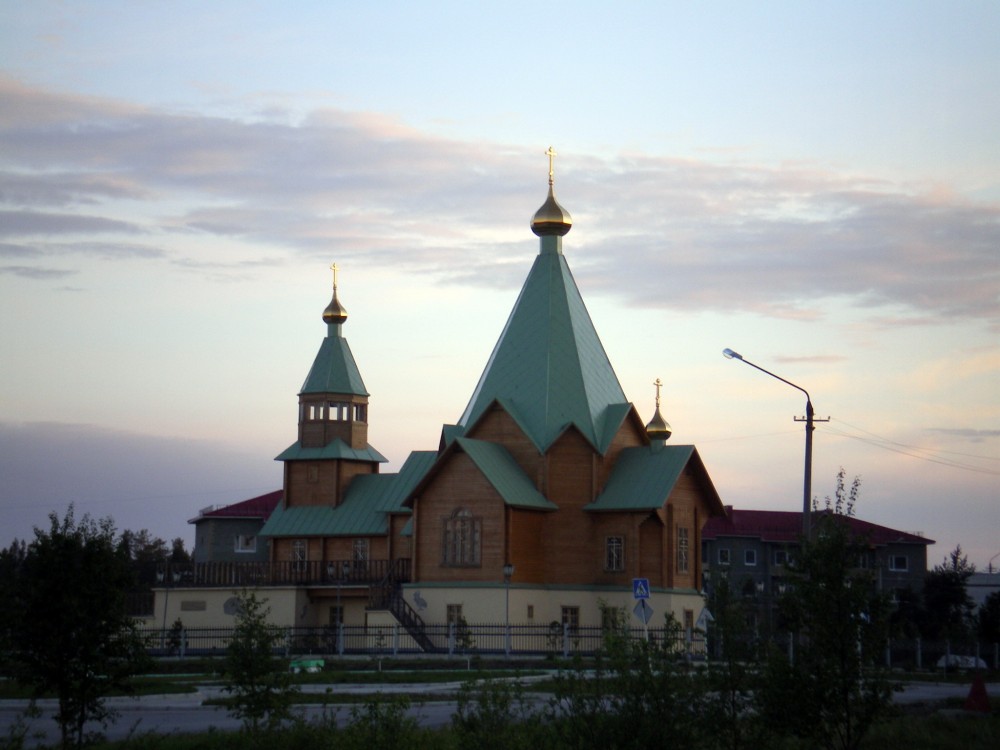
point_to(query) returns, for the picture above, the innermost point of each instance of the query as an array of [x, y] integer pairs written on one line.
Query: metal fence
[[488, 639], [452, 639]]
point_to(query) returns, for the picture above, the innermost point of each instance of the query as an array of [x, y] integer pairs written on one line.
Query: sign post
[[640, 592]]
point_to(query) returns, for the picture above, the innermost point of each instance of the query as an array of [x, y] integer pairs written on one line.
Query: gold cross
[[334, 269], [657, 383], [551, 153]]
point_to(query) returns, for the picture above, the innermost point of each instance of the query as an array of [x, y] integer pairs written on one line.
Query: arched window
[[462, 541]]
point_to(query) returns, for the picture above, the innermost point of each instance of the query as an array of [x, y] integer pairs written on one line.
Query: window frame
[[614, 553], [683, 550], [570, 615], [747, 555], [300, 555], [727, 553], [245, 544], [462, 540], [895, 568]]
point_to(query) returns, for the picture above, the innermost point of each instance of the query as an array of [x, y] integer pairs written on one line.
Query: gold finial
[[551, 218], [335, 312], [551, 153], [658, 429]]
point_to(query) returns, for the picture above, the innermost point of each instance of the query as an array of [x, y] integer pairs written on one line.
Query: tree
[[66, 620], [835, 687], [262, 695], [949, 610]]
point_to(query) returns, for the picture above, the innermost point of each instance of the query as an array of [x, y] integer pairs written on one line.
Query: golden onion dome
[[551, 218], [335, 312], [658, 429]]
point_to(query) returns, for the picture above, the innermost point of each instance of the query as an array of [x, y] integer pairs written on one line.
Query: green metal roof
[[364, 511], [643, 478], [336, 449], [334, 369], [549, 368], [502, 472]]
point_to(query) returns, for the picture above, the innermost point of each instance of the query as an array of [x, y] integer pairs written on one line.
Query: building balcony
[[312, 573]]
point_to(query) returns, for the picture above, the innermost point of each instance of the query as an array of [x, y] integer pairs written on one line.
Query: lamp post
[[508, 573], [809, 420]]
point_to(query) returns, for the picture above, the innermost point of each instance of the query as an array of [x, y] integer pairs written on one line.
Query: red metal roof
[[256, 507], [786, 526]]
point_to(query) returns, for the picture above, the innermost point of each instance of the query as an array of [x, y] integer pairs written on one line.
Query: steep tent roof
[[334, 369], [549, 368], [369, 500]]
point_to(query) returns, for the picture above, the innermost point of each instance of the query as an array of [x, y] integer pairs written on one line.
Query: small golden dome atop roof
[[658, 429], [551, 218], [335, 312]]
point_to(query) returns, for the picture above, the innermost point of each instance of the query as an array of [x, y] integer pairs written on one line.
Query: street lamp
[[508, 573], [809, 420]]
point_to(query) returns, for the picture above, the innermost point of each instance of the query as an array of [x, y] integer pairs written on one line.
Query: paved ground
[[185, 713]]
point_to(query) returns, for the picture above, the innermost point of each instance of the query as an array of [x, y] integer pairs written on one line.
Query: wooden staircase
[[388, 594]]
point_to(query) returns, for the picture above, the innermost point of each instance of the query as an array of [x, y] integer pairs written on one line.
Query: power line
[[913, 451]]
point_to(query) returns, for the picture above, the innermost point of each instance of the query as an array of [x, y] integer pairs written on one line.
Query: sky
[[814, 185]]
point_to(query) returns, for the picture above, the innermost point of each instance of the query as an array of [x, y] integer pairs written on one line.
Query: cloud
[[32, 223], [975, 436], [653, 231], [33, 272]]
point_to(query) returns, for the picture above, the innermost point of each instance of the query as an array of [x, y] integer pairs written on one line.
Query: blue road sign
[[643, 611], [640, 588]]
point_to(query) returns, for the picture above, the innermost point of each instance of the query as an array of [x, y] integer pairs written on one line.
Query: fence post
[[288, 642], [565, 640], [395, 639], [184, 642], [920, 653], [888, 653], [451, 639], [947, 656]]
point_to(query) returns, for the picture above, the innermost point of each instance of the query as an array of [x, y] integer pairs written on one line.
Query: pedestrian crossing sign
[[640, 588]]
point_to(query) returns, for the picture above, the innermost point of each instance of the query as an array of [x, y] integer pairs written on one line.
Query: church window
[[299, 555], [359, 552], [462, 539], [360, 413], [683, 550], [614, 553]]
